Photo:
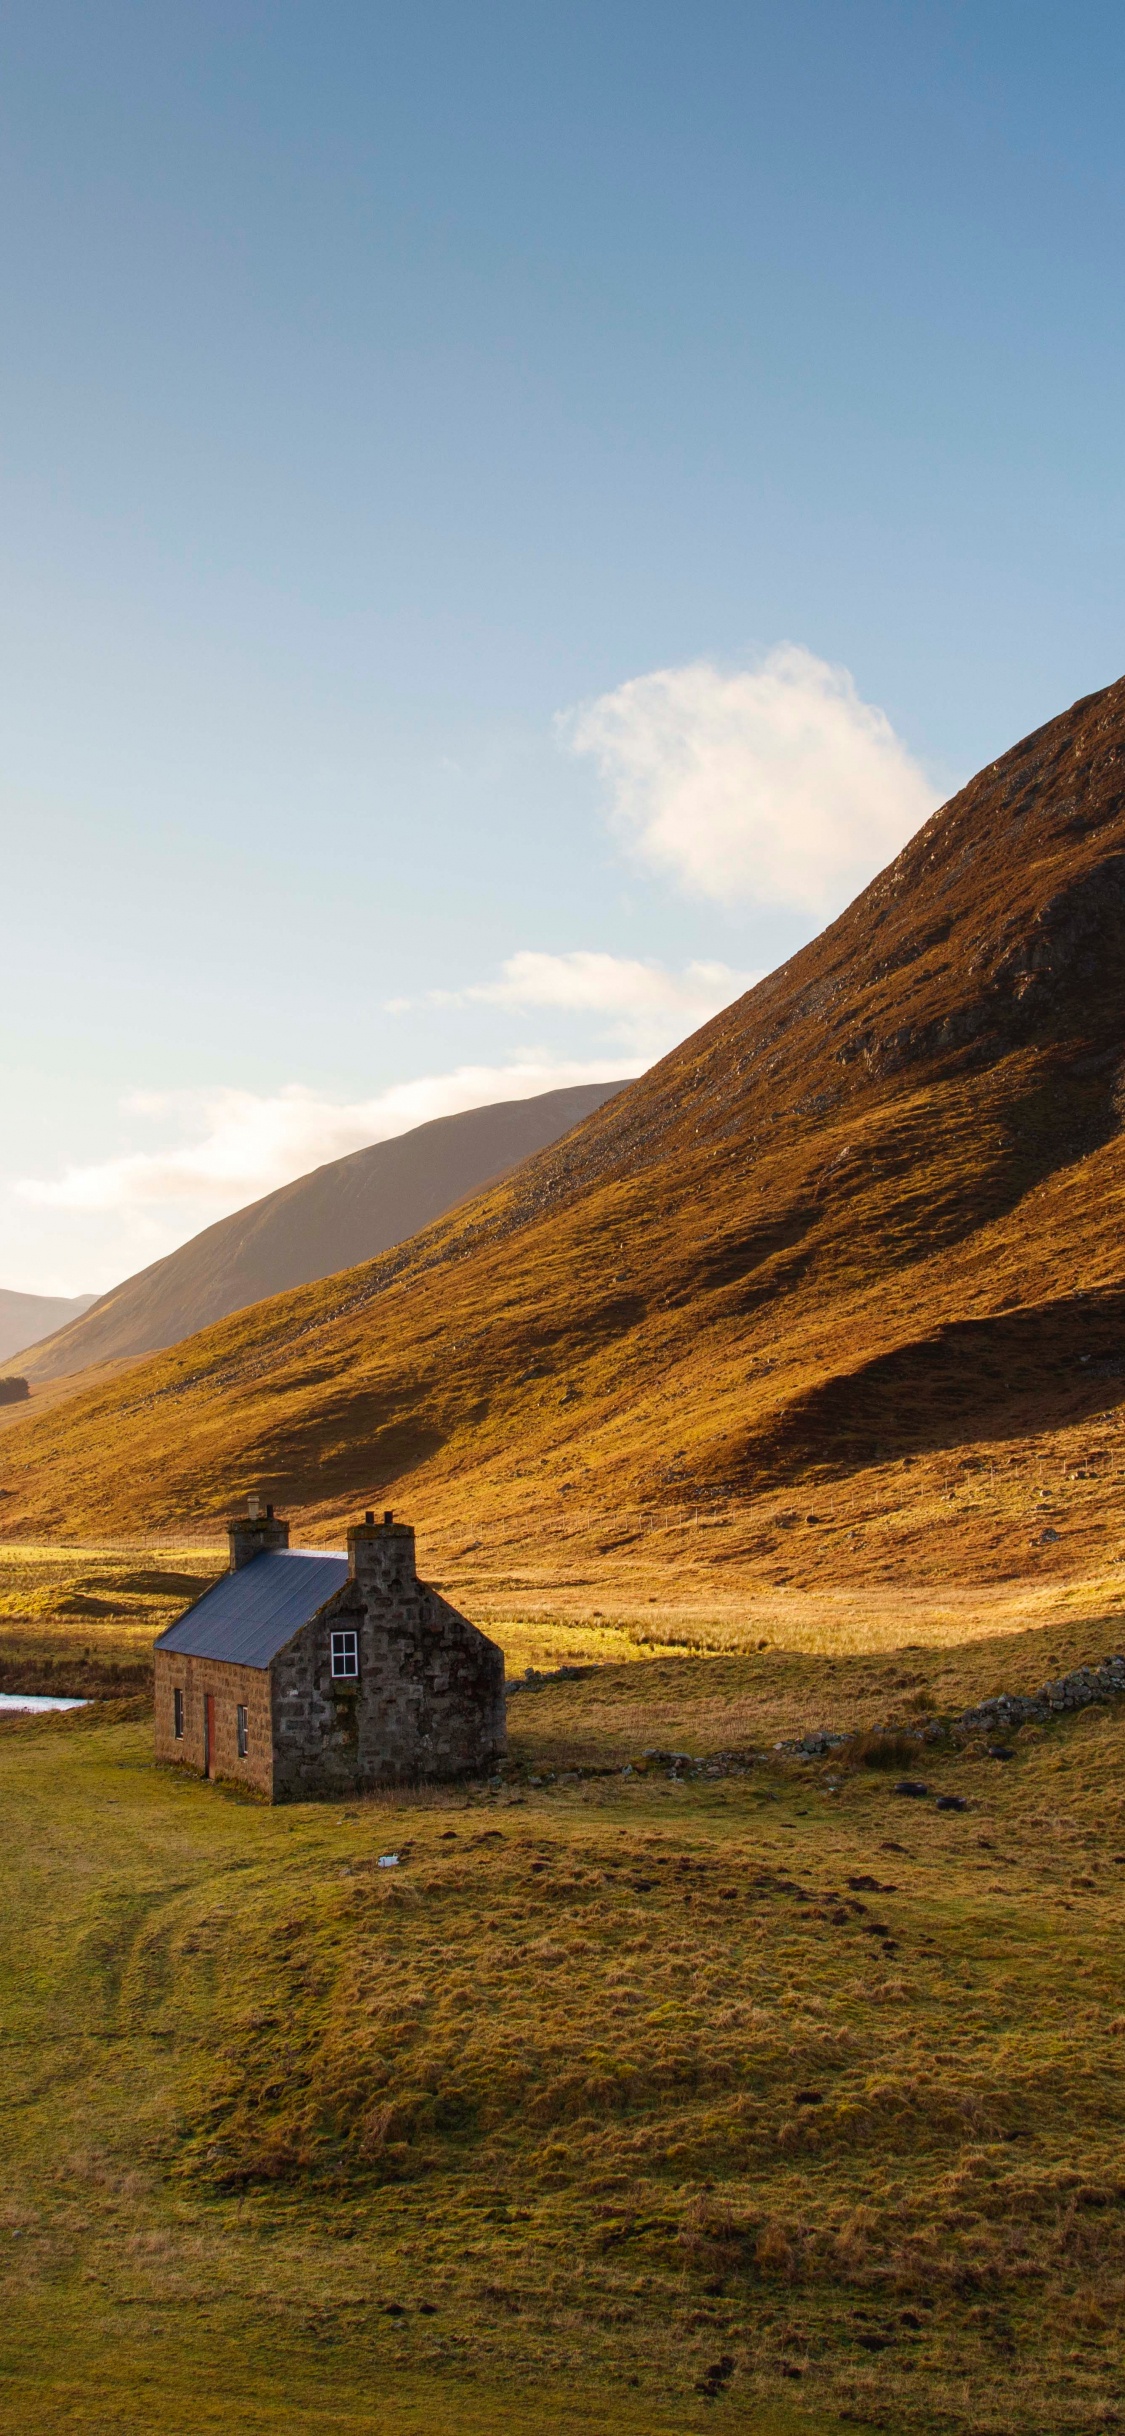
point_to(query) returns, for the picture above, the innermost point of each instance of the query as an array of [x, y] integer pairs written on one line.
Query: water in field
[[29, 1701]]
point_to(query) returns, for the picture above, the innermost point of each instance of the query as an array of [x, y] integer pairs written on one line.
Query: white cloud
[[246, 1144], [775, 784], [645, 1008]]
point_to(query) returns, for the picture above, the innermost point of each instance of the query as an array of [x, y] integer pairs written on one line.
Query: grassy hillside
[[772, 2095], [833, 1295]]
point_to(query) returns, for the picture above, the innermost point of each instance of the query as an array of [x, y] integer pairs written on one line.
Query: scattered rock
[[814, 1746], [1005, 1714]]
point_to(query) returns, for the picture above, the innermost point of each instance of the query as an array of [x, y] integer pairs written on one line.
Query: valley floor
[[771, 2097]]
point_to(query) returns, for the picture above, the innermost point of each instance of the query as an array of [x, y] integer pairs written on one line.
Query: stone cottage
[[302, 1673]]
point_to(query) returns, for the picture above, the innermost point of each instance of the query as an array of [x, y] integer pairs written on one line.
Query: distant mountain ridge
[[340, 1214], [24, 1318]]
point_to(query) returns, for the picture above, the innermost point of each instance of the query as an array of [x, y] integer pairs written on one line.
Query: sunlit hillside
[[833, 1294]]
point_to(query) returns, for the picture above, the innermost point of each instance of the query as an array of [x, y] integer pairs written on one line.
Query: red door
[[208, 1731]]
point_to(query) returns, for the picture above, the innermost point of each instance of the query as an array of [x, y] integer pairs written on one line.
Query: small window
[[243, 1733], [345, 1654], [178, 1715]]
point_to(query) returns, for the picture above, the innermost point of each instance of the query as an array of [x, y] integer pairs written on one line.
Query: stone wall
[[229, 1686], [1001, 1715], [1074, 1691], [429, 1699]]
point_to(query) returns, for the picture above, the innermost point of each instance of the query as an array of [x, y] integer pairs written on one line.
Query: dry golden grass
[[562, 1485], [81, 1622]]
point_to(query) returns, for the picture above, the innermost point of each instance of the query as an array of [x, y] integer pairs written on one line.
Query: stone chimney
[[381, 1554], [249, 1533]]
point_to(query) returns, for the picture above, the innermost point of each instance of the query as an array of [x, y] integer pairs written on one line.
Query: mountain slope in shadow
[[24, 1317]]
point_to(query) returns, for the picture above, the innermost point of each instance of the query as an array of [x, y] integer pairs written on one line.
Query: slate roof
[[248, 1616]]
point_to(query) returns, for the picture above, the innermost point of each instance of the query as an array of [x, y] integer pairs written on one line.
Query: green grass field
[[618, 2104]]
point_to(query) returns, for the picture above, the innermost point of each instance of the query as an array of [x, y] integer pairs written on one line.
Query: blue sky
[[420, 431]]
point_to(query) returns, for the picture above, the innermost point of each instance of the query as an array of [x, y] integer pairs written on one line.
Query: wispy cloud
[[241, 1144], [202, 1154], [776, 784], [641, 1005]]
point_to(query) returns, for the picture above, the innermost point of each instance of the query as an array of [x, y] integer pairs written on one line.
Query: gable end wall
[[429, 1701]]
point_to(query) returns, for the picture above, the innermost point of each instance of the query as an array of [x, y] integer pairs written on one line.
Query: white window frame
[[242, 1722], [177, 1715], [344, 1649]]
